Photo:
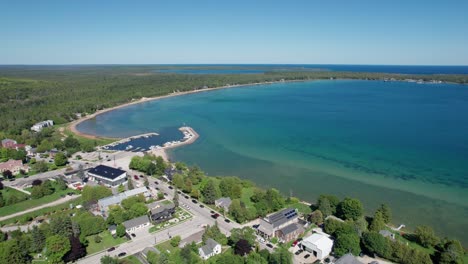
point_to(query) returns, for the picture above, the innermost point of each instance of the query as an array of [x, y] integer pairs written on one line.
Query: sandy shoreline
[[162, 151], [72, 126]]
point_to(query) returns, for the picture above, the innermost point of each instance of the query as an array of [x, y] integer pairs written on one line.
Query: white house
[[107, 175], [210, 249], [319, 245], [39, 126], [136, 223]]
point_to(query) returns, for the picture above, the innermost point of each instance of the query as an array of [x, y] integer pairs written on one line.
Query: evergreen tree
[[130, 184], [350, 209], [210, 192], [38, 239], [386, 213], [378, 222], [57, 246]]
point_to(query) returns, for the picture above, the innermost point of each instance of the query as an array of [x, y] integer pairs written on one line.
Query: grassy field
[[24, 205], [7, 192], [83, 140], [166, 246], [245, 196], [107, 242], [42, 212]]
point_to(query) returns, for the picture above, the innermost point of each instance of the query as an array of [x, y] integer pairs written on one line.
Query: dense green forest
[[34, 93]]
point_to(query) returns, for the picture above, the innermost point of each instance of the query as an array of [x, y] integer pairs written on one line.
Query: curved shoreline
[[73, 125]]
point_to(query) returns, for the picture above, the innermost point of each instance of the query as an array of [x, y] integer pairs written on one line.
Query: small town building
[[113, 229], [210, 249], [12, 144], [107, 175], [290, 232], [320, 245], [39, 126], [160, 212], [135, 224], [223, 202], [348, 259], [386, 233], [104, 203], [15, 166], [269, 226]]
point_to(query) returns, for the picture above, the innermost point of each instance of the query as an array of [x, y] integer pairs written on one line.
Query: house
[[289, 232], [135, 224], [160, 212], [12, 144], [53, 152], [8, 143], [348, 259], [269, 226], [223, 202], [320, 245], [386, 233], [15, 166], [104, 203], [107, 175], [210, 249], [39, 126], [30, 151]]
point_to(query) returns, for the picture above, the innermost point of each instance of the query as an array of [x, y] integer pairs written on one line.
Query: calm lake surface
[[404, 144]]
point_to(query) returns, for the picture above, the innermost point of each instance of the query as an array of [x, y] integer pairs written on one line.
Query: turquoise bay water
[[404, 144]]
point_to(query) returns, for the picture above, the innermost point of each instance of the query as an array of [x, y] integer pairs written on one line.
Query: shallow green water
[[405, 144]]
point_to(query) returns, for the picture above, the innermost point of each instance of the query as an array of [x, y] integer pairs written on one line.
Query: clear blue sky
[[255, 31]]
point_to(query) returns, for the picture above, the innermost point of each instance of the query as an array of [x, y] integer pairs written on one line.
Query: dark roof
[[136, 222], [289, 229], [282, 216], [106, 172], [348, 259]]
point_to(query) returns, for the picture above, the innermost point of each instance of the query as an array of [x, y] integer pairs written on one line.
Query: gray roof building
[[386, 233], [209, 247], [224, 202], [276, 221], [348, 259], [136, 222]]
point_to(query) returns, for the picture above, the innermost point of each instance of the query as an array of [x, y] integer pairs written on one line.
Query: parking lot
[[301, 256]]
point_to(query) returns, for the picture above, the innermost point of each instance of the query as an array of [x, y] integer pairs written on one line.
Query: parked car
[[111, 249], [194, 201], [156, 188], [227, 220], [135, 177], [121, 254], [269, 245], [165, 194], [294, 243], [298, 252], [212, 212], [202, 206], [179, 192], [187, 197], [170, 187], [307, 256], [156, 182], [133, 235], [141, 176]]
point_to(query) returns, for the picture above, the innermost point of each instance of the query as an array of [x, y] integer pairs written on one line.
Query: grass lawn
[[8, 192], [166, 246], [107, 242], [24, 205], [245, 196], [180, 214], [411, 244], [130, 260]]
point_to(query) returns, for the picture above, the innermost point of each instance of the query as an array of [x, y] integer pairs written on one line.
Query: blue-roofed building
[[107, 175]]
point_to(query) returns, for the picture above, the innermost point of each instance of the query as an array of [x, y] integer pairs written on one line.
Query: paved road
[[201, 217], [56, 202]]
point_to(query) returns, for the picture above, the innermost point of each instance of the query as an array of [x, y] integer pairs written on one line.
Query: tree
[[242, 247], [175, 241], [375, 243], [61, 225], [71, 143], [214, 233], [237, 211], [386, 213], [360, 226], [38, 239], [152, 257], [178, 180], [3, 236], [110, 260], [91, 194], [452, 252], [350, 208], [121, 188], [274, 199], [347, 243], [138, 209], [57, 246], [81, 173], [120, 230], [377, 222], [316, 217], [176, 198], [11, 251], [7, 174], [195, 193], [1, 185], [188, 185], [281, 256], [61, 184], [245, 233], [210, 192], [60, 159], [2, 202], [327, 204], [425, 236], [130, 184], [40, 166], [78, 250], [160, 166]]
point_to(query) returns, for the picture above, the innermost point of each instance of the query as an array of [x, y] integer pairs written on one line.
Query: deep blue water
[[404, 144]]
